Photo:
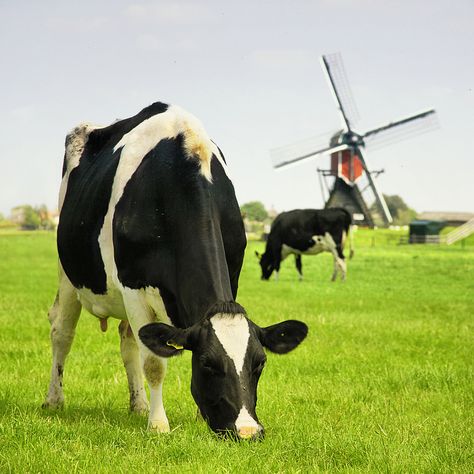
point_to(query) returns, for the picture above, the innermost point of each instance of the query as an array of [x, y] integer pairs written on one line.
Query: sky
[[250, 71]]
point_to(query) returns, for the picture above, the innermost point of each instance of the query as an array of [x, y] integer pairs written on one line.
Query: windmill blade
[[336, 75], [382, 205], [282, 158], [401, 129], [301, 148]]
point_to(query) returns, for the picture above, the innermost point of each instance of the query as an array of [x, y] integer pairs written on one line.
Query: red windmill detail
[[346, 164]]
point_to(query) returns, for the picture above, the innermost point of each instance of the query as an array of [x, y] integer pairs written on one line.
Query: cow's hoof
[[139, 406], [159, 426], [140, 410], [53, 405]]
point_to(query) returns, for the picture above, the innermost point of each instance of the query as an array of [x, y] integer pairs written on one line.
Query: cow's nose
[[251, 432]]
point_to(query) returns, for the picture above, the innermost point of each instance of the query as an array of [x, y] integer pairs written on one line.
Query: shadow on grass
[[78, 414]]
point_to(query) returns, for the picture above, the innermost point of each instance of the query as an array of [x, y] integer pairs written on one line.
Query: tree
[[254, 211], [31, 219], [401, 213]]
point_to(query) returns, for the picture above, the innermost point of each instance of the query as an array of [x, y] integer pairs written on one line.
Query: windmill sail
[[336, 75], [401, 129], [303, 150], [379, 199]]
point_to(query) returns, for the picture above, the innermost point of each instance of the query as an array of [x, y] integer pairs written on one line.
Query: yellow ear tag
[[174, 344]]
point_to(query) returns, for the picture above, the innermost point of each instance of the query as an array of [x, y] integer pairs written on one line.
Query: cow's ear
[[283, 337], [164, 340]]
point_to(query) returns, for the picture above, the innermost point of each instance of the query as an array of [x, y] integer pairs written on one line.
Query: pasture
[[384, 381]]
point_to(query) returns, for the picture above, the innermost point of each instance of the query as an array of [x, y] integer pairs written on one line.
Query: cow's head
[[266, 263], [228, 359]]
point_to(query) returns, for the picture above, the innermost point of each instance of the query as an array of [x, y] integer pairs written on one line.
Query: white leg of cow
[[339, 263], [342, 267], [131, 361], [155, 370], [334, 273], [63, 317], [140, 313], [339, 267]]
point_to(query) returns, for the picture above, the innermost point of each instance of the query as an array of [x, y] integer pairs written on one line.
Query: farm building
[[453, 219]]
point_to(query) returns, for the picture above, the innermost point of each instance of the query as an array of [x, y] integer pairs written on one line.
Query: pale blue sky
[[250, 71]]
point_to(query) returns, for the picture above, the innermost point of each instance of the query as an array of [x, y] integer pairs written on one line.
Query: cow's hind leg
[[63, 317], [131, 361], [339, 267], [339, 260]]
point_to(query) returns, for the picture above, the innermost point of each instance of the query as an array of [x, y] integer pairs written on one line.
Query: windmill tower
[[349, 167]]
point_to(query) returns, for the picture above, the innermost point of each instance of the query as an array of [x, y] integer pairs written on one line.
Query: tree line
[[402, 214], [38, 217]]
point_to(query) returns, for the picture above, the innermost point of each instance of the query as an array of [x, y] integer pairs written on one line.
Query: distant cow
[[306, 232], [150, 233]]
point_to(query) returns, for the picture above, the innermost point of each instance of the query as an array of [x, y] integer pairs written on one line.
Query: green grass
[[383, 383]]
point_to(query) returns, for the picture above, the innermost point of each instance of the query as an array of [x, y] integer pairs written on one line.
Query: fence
[[460, 233]]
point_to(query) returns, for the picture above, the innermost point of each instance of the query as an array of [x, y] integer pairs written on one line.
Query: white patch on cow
[[197, 143], [246, 426], [103, 306], [322, 243], [233, 333], [146, 135]]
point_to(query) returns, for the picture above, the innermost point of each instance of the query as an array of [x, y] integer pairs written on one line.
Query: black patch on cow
[[87, 200], [231, 223], [225, 307], [100, 137], [82, 216], [175, 231]]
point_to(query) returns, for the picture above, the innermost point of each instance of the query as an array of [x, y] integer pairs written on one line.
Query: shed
[[425, 231]]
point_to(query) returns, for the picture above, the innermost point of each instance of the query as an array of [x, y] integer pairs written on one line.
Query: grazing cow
[[150, 233], [306, 232]]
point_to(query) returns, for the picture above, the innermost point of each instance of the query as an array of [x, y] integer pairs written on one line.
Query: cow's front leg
[[131, 362], [63, 317], [140, 313], [154, 368], [342, 267], [299, 266]]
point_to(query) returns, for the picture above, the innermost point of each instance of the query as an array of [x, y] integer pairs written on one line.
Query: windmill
[[346, 148]]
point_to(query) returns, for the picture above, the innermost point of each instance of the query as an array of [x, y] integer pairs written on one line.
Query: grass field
[[383, 383]]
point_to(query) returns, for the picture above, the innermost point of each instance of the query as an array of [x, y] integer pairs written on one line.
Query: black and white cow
[[150, 233], [306, 232]]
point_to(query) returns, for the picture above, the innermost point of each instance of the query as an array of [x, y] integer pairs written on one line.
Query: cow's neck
[[202, 273]]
